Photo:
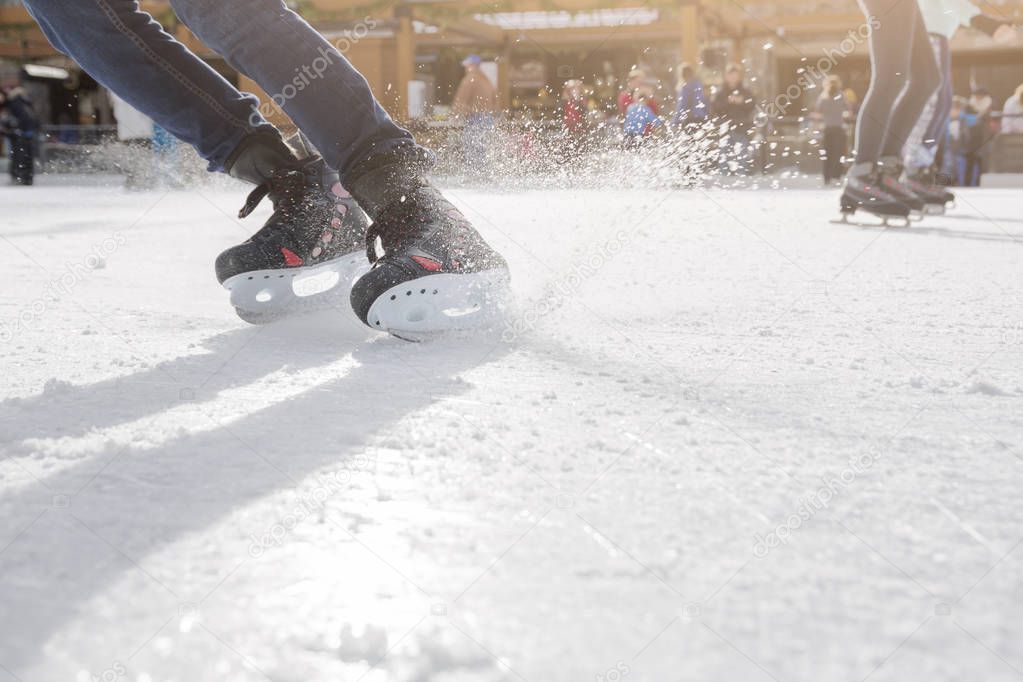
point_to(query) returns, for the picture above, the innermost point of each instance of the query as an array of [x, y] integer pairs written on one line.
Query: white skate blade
[[262, 296], [428, 306], [882, 221]]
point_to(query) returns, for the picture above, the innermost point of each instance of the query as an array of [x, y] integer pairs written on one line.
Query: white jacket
[[1013, 110], [944, 17]]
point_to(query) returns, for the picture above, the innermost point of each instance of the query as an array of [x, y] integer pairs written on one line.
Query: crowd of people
[[951, 141]]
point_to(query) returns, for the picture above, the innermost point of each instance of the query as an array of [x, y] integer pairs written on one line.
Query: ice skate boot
[[863, 192], [890, 172], [936, 197], [308, 253], [435, 272]]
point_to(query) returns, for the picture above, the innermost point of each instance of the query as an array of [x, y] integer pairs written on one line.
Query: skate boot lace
[[285, 189]]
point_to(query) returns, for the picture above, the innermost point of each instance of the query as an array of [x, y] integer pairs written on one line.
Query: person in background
[[573, 109], [733, 102], [475, 103], [690, 104], [833, 111], [20, 125], [636, 81], [1012, 113], [640, 119], [960, 121], [981, 131]]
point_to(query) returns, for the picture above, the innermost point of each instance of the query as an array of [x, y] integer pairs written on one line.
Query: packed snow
[[717, 438]]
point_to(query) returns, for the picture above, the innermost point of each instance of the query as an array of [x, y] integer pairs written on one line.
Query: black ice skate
[[863, 192], [936, 197], [890, 172], [436, 273], [308, 252]]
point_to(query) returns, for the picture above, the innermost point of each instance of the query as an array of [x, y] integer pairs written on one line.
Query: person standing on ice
[[690, 104], [475, 104], [832, 110], [733, 102], [429, 247], [640, 119]]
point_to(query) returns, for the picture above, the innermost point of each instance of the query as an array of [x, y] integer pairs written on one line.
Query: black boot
[[316, 229], [863, 192], [436, 272], [923, 183], [890, 171]]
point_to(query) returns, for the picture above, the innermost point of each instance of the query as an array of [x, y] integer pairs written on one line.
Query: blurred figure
[[733, 103], [958, 132], [640, 118], [20, 125], [573, 110], [1012, 113], [476, 103], [980, 131], [636, 80], [690, 104], [832, 110]]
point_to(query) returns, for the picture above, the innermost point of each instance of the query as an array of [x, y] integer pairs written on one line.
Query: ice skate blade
[[441, 305], [893, 221], [934, 209], [264, 296]]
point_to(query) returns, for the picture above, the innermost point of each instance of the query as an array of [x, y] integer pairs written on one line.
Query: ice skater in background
[[20, 125], [926, 147], [432, 258]]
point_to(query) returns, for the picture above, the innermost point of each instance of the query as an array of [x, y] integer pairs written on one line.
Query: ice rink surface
[[718, 438]]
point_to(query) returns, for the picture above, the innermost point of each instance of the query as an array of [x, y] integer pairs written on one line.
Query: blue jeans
[[124, 49]]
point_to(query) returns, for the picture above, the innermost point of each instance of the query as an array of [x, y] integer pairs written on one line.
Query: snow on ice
[[717, 438]]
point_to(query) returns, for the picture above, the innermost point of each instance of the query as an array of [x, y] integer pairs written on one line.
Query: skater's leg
[[924, 80], [315, 84], [937, 127], [128, 52], [889, 62]]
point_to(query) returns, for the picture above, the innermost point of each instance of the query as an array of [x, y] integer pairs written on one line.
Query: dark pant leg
[[834, 148], [924, 79], [889, 65], [127, 51], [303, 73], [22, 159]]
